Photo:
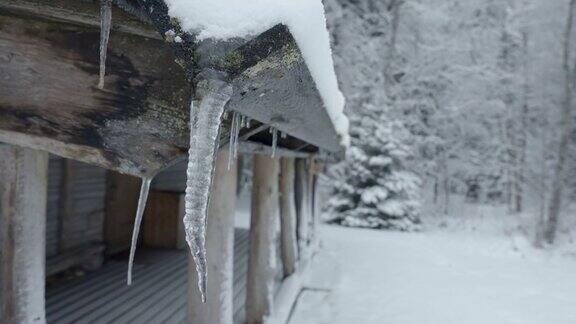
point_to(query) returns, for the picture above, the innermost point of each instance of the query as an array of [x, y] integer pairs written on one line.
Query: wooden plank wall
[[53, 205], [74, 212], [172, 179], [86, 195]]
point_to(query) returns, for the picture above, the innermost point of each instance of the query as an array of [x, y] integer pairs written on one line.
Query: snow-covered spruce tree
[[372, 188]]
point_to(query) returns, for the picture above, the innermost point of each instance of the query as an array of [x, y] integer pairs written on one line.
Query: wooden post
[[23, 190], [316, 200], [302, 205], [263, 229], [220, 251], [288, 240], [310, 175]]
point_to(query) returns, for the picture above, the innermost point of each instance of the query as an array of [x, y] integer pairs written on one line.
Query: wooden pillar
[[23, 190], [302, 205], [310, 175], [315, 198], [288, 240], [218, 308], [263, 230]]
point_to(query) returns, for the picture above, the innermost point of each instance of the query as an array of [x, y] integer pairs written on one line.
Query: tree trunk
[[523, 140], [566, 127], [23, 190]]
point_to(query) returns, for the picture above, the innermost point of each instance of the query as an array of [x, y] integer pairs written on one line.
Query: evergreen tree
[[373, 188]]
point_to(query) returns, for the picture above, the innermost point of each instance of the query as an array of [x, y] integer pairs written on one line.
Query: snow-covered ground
[[437, 276]]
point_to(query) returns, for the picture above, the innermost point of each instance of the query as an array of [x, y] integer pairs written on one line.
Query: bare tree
[[566, 127], [523, 135]]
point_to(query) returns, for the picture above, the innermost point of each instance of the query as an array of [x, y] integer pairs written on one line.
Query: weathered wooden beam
[[218, 308], [263, 238], [49, 98], [288, 239], [23, 191], [82, 13], [273, 85], [138, 124]]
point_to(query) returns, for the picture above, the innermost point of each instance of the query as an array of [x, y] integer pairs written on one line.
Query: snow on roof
[[224, 19]]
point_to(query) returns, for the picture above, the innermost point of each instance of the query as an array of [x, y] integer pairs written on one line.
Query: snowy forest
[[456, 104], [456, 200]]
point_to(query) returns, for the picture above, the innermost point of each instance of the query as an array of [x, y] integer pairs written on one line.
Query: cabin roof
[[138, 124]]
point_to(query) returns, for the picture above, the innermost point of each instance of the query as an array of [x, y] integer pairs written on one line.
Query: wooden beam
[[79, 12], [23, 191], [262, 149], [288, 240], [263, 238], [220, 251], [49, 97]]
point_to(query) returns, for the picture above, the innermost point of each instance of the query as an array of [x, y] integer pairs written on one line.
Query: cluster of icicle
[[205, 122]]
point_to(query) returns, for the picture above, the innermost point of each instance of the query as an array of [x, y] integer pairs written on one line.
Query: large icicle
[[274, 140], [144, 189], [105, 25], [204, 131]]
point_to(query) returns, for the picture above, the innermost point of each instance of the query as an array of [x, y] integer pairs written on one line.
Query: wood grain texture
[[49, 99], [23, 192]]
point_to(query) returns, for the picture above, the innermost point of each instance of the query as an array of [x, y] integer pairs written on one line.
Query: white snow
[[224, 19], [436, 277]]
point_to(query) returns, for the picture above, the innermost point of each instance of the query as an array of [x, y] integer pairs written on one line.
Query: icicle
[[283, 135], [234, 131], [236, 135], [248, 121], [243, 122], [204, 133], [105, 25], [274, 140], [144, 189]]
